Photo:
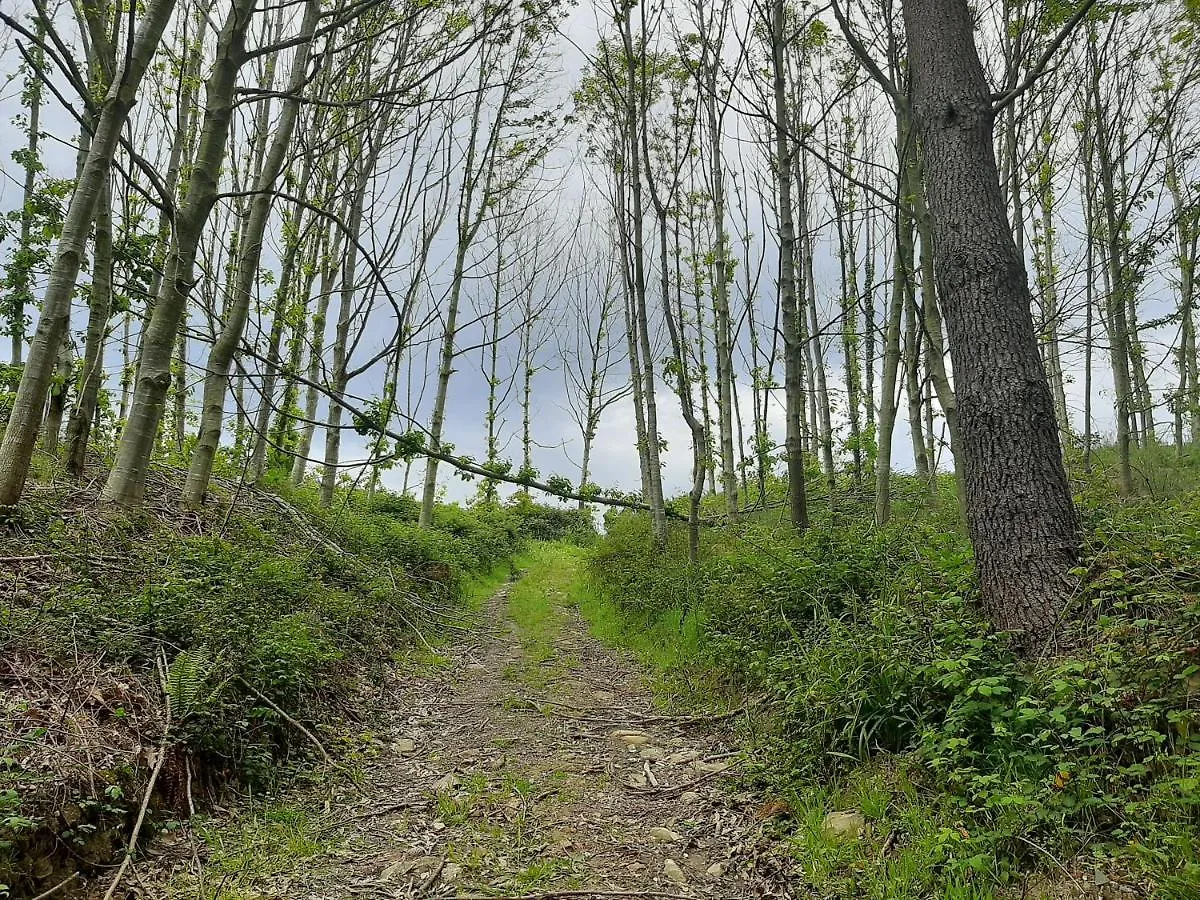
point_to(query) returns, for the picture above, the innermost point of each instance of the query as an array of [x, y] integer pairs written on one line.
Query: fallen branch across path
[[58, 887]]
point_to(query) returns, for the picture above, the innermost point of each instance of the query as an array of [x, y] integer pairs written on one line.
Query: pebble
[[847, 823], [663, 835], [673, 872]]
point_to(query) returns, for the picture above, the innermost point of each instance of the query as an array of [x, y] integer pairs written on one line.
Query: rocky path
[[551, 775]]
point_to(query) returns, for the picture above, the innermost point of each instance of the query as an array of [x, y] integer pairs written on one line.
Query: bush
[[869, 647]]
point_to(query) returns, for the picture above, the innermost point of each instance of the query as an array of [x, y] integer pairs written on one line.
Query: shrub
[[870, 648]]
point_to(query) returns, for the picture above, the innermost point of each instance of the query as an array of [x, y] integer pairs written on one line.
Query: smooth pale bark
[[633, 104], [1020, 514], [912, 386], [824, 415], [683, 389], [630, 321], [216, 382], [339, 379], [846, 221], [282, 304], [1114, 319], [19, 292], [56, 404], [901, 276], [788, 299], [316, 350], [87, 389], [283, 436], [481, 193], [1186, 405], [126, 483], [1045, 265], [182, 147], [721, 279], [932, 332], [21, 434]]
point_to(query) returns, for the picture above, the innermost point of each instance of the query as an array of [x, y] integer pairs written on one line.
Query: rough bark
[[1020, 514]]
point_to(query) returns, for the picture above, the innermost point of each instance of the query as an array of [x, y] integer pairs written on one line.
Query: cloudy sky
[[568, 195]]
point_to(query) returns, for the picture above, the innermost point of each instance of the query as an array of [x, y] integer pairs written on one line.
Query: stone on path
[[673, 872], [663, 835], [630, 737], [844, 824]]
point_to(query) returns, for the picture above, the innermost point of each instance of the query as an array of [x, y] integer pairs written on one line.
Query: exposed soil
[[506, 776]]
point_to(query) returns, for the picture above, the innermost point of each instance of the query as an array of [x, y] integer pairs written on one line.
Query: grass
[[551, 580], [271, 841], [664, 640], [918, 837], [478, 587]]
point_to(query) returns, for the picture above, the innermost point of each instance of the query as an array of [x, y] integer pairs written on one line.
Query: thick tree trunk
[[21, 434], [1020, 514]]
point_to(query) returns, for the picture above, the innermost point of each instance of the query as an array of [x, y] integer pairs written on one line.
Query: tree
[[21, 433], [1020, 513]]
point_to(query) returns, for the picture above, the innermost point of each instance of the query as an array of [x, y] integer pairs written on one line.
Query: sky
[[571, 188]]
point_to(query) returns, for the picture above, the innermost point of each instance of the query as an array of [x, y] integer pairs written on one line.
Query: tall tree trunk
[[1020, 514], [21, 434], [824, 417], [634, 103], [901, 276], [56, 404], [312, 395], [912, 385], [127, 481], [294, 274], [87, 392], [216, 382], [1116, 309], [20, 293], [788, 299]]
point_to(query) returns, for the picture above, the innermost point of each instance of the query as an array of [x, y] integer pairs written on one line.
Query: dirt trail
[[504, 775]]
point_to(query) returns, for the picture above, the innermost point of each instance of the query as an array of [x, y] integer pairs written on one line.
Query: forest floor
[[522, 759]]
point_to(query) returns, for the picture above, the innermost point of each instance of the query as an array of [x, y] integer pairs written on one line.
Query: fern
[[186, 678]]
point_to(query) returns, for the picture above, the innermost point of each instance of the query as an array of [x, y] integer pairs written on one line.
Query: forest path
[[529, 760]]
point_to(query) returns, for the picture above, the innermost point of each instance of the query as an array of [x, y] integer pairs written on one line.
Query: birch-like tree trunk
[[87, 390], [790, 311], [126, 483], [237, 313], [20, 436]]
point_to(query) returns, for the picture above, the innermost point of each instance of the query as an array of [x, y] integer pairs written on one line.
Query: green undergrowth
[[889, 695], [276, 614], [549, 580], [266, 841]]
